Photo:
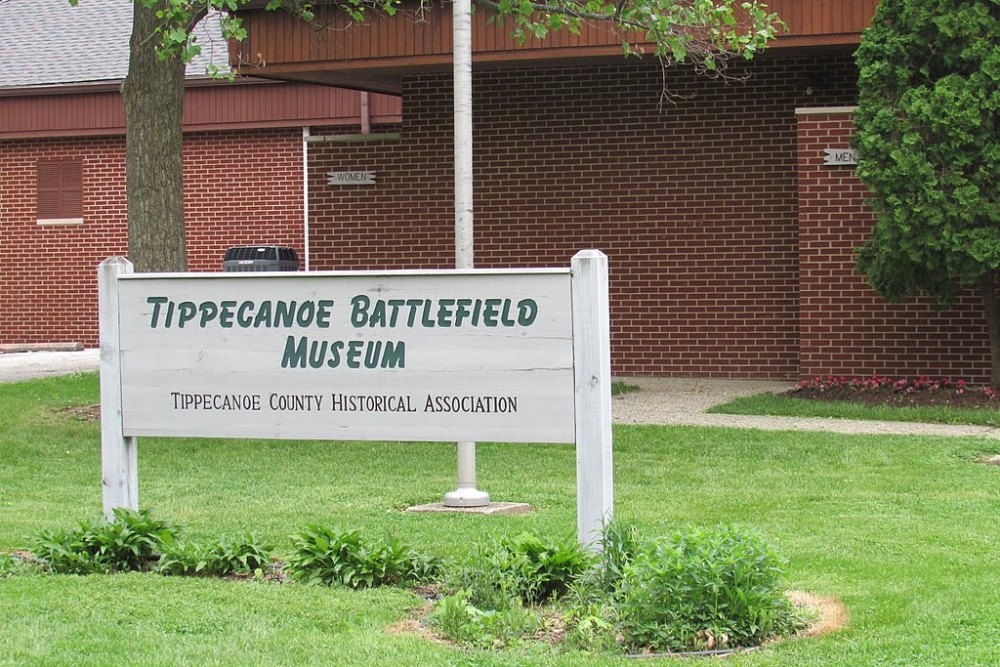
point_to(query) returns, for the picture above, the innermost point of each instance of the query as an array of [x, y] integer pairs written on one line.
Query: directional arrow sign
[[838, 156]]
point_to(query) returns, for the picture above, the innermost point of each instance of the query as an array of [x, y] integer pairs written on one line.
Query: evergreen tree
[[928, 150]]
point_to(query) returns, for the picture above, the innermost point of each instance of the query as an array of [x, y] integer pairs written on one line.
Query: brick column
[[845, 327]]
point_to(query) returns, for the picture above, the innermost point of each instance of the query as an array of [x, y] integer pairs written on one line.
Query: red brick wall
[[48, 291], [241, 187], [846, 329], [695, 203]]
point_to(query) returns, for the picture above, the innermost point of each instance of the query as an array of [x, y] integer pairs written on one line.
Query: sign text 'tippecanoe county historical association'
[[412, 356]]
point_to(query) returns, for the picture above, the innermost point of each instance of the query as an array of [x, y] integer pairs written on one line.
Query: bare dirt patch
[[87, 413], [415, 625], [830, 614]]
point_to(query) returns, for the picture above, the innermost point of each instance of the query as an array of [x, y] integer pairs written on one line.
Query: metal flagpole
[[466, 495]]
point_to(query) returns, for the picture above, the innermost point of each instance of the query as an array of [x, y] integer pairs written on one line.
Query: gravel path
[[669, 401]]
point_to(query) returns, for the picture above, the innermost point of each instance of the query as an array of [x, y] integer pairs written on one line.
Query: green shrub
[[220, 558], [596, 584], [701, 589], [332, 556], [620, 542], [64, 552], [591, 620], [526, 568], [126, 543], [456, 618]]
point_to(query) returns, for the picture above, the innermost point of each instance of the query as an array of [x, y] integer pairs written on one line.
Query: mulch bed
[[970, 399]]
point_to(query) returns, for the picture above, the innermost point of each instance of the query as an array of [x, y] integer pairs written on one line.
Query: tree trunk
[[991, 307], [154, 108]]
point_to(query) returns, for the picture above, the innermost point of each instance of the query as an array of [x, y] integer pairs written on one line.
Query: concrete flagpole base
[[491, 508]]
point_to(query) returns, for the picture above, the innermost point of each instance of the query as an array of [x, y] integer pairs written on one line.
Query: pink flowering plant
[[879, 384]]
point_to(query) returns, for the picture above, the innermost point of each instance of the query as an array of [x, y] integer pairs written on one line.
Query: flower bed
[[879, 390]]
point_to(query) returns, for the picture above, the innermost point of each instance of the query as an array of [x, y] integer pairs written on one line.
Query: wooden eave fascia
[[814, 41], [114, 130], [383, 75], [115, 86], [192, 128], [62, 89]]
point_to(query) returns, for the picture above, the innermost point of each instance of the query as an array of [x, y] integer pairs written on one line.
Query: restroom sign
[[839, 156], [350, 178]]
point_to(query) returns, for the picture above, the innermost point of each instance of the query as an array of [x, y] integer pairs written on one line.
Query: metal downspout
[[305, 193]]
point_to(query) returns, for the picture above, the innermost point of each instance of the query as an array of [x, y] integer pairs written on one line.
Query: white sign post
[[461, 355], [119, 456], [592, 379]]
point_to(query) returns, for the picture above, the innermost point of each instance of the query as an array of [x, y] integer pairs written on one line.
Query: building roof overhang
[[376, 55]]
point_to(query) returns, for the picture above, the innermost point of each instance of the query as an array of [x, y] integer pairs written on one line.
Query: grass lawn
[[902, 530], [789, 406]]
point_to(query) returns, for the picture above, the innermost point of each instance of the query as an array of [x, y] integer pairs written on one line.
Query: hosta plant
[[129, 542], [219, 558], [526, 567], [328, 556]]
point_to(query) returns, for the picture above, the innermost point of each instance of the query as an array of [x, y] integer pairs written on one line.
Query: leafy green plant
[[456, 618], [619, 387], [129, 542], [331, 556], [620, 542], [220, 558], [525, 567], [591, 620], [592, 627], [64, 552], [703, 589]]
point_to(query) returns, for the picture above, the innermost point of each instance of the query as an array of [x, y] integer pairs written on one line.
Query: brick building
[[730, 239], [62, 160]]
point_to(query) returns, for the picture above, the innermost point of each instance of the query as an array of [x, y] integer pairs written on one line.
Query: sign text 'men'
[[839, 156]]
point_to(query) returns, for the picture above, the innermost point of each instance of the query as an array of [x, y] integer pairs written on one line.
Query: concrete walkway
[[667, 401], [683, 401], [20, 366]]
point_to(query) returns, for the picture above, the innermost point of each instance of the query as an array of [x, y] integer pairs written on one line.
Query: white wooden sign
[[477, 355], [839, 156], [405, 356], [351, 177]]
